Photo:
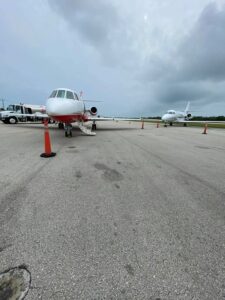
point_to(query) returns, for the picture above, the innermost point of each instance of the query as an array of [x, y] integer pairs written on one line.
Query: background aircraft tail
[[187, 107]]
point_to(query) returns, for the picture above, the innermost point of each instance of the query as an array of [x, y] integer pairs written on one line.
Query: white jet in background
[[174, 116]]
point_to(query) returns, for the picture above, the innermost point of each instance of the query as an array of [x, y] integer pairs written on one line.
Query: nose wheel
[[61, 126], [68, 130]]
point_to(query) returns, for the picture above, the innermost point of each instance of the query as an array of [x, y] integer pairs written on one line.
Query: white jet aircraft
[[66, 106], [173, 116]]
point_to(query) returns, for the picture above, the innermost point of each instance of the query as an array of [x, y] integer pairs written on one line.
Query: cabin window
[[76, 97], [53, 94], [69, 95], [61, 94]]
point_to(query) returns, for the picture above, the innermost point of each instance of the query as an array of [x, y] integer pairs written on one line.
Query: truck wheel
[[12, 120]]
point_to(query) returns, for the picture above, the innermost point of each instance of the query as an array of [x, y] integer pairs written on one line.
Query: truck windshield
[[11, 107]]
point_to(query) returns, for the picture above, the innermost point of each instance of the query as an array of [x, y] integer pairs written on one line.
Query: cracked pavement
[[127, 214]]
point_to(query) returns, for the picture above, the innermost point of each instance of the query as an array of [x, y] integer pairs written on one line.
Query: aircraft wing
[[38, 115], [200, 122], [111, 119]]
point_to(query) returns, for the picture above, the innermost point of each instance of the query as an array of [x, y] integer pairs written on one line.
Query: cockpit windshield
[[170, 112], [61, 94], [69, 95], [53, 94]]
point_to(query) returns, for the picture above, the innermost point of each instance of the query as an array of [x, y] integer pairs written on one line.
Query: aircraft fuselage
[[65, 110]]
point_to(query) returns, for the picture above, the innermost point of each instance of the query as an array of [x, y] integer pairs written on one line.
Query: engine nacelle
[[188, 117], [93, 111]]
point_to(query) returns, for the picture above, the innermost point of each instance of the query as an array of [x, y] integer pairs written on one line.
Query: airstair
[[84, 129]]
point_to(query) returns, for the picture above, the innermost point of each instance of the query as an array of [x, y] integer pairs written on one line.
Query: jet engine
[[93, 111], [188, 117]]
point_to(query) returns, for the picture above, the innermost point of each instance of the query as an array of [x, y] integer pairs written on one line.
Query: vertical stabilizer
[[187, 107]]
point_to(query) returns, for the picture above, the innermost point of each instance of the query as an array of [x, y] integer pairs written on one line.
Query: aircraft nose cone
[[51, 108]]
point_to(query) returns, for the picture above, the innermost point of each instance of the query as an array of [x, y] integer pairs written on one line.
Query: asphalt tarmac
[[125, 214]]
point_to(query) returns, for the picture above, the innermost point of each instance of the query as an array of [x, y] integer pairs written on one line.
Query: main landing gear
[[61, 126], [93, 126], [170, 123], [68, 130]]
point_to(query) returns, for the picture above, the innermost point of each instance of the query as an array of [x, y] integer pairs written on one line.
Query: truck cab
[[15, 113]]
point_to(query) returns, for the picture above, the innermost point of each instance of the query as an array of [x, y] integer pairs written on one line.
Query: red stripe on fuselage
[[70, 118]]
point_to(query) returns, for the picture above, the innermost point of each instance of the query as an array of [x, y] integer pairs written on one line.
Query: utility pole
[[3, 103]]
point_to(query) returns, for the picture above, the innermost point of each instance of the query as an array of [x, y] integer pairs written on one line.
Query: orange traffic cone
[[205, 129], [142, 125], [48, 151]]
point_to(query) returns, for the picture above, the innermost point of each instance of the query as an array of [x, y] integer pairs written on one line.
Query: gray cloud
[[103, 26], [202, 54], [181, 92], [196, 68], [93, 20], [134, 57]]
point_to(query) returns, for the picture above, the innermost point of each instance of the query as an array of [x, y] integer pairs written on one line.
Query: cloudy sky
[[140, 57]]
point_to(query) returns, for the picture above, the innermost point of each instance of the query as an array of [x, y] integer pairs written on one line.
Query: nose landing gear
[[68, 130], [93, 126], [61, 126]]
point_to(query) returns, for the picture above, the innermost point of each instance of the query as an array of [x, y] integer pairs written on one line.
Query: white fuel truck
[[22, 113]]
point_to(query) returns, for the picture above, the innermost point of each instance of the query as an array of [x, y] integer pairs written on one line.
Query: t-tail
[[187, 112], [187, 108]]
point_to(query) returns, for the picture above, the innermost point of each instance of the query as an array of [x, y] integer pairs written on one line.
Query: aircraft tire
[[61, 126]]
